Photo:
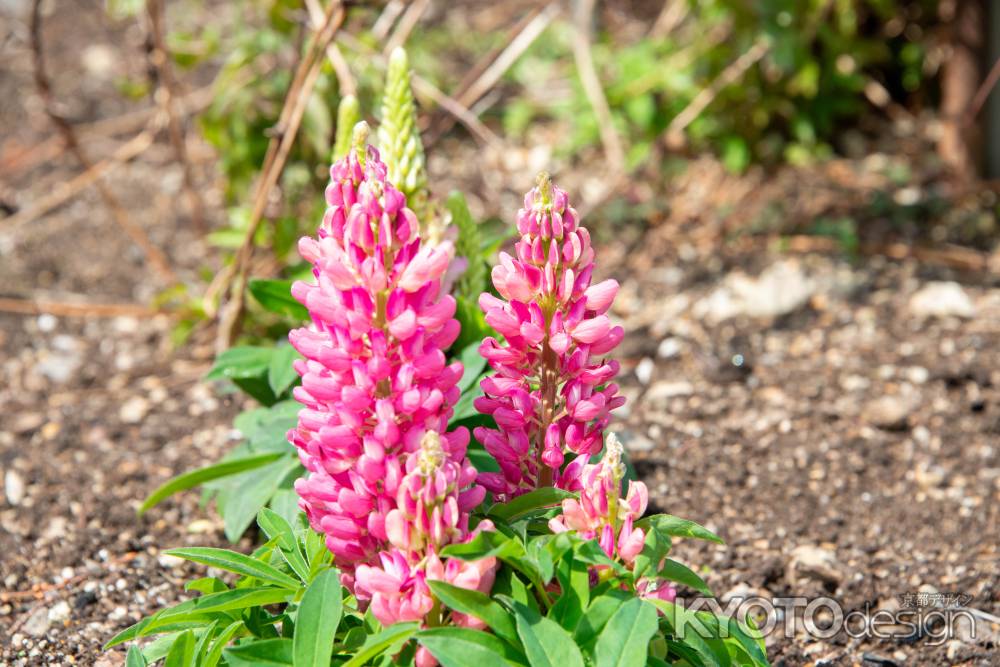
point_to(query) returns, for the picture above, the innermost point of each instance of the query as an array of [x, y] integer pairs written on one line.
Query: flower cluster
[[375, 380], [433, 505], [602, 514], [551, 393]]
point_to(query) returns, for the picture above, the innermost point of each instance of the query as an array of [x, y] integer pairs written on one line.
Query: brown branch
[[583, 55], [443, 122], [529, 31], [68, 189], [278, 150], [71, 309], [348, 85], [983, 93], [728, 76], [165, 96], [138, 236], [131, 121], [406, 25]]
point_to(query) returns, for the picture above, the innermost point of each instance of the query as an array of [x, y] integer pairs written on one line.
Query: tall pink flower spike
[[433, 504], [551, 392], [374, 378]]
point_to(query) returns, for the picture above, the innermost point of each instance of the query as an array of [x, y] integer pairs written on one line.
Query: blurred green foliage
[[821, 54]]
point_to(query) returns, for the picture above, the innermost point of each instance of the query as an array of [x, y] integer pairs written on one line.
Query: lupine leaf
[[182, 652], [134, 657], [379, 643], [476, 604], [532, 501], [462, 647], [677, 527], [235, 562], [545, 642], [214, 654], [317, 620], [206, 474], [280, 373], [251, 493], [276, 297], [671, 570], [265, 653], [241, 362], [624, 641]]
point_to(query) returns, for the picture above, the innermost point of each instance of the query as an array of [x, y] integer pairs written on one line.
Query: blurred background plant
[[648, 84]]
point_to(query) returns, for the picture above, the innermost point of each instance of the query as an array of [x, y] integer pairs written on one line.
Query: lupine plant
[[409, 543]]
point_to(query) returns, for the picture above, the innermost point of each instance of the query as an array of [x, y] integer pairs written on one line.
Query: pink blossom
[[374, 378], [432, 511], [600, 512], [552, 393]]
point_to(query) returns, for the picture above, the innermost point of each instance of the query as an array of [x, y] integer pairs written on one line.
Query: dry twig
[[66, 190], [286, 130], [728, 76], [73, 309], [138, 236], [165, 96], [583, 55], [406, 25]]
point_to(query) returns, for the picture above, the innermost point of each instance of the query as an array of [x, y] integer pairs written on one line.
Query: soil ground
[[836, 420]]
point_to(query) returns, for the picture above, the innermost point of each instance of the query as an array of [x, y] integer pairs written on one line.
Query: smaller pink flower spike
[[552, 394], [601, 513], [434, 499]]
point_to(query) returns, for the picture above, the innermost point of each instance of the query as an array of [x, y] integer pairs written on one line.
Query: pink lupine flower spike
[[551, 393]]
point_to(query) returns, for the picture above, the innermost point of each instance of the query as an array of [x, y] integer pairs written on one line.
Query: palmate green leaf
[[134, 657], [276, 296], [485, 544], [275, 652], [713, 637], [241, 362], [473, 364], [539, 499], [208, 473], [624, 641], [462, 647], [317, 620], [677, 527], [214, 654], [384, 641], [277, 528], [574, 578], [203, 640], [280, 374], [233, 561], [476, 604], [182, 652], [546, 643], [601, 609], [655, 548], [671, 570], [242, 502], [465, 407], [199, 609]]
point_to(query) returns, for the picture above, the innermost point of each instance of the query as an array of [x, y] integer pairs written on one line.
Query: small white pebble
[[47, 322], [644, 370]]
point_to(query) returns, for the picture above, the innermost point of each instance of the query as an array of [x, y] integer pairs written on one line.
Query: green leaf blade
[[318, 617]]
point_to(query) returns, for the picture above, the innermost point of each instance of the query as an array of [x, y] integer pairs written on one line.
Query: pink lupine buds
[[433, 504], [375, 380], [552, 392], [601, 513]]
